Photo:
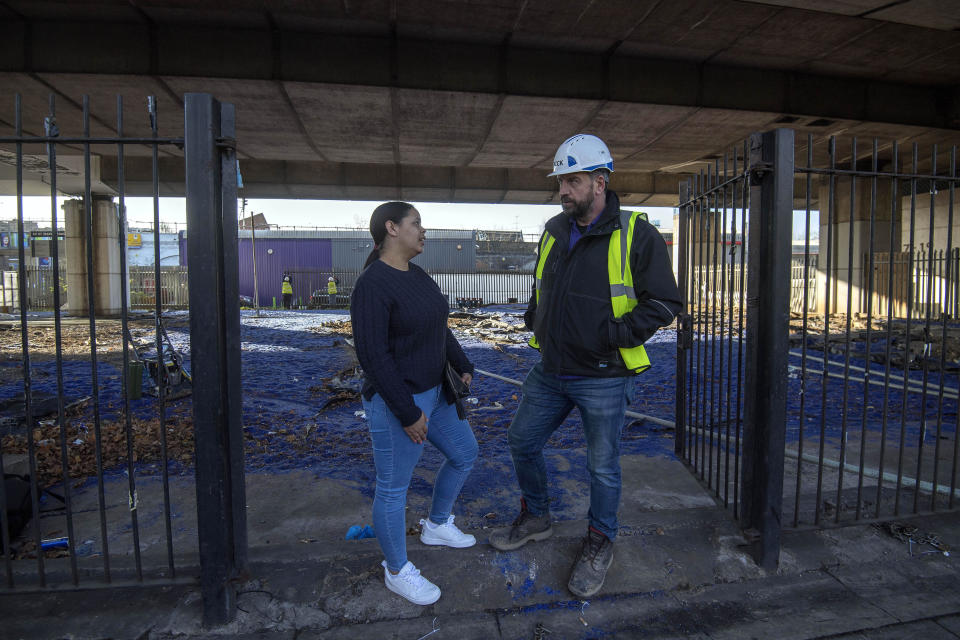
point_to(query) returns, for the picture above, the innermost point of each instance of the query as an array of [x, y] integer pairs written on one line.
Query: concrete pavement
[[680, 571]]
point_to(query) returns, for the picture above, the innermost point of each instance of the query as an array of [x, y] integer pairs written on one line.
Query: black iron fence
[[96, 459], [845, 409], [174, 293]]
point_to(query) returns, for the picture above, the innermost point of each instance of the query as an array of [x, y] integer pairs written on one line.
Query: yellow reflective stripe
[[623, 298]]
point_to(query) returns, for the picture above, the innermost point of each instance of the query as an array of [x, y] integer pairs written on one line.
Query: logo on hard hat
[[582, 152]]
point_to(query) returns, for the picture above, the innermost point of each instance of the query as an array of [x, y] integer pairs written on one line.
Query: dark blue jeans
[[395, 455], [546, 402]]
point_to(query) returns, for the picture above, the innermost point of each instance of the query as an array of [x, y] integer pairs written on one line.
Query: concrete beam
[[354, 181], [386, 60]]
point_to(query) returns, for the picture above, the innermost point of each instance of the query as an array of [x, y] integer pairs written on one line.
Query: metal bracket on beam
[[758, 170]]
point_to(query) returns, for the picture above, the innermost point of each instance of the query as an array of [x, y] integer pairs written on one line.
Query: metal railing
[[862, 421], [106, 458], [879, 389], [922, 274], [174, 292]]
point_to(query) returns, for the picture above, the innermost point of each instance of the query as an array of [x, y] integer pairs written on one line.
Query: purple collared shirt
[[575, 233]]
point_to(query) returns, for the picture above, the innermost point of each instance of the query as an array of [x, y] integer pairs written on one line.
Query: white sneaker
[[446, 534], [410, 584]]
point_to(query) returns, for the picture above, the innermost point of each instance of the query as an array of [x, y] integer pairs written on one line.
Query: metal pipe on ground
[[833, 464]]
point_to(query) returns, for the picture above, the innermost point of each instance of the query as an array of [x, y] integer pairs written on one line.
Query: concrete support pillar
[[107, 281], [921, 220], [848, 226], [707, 252], [932, 260]]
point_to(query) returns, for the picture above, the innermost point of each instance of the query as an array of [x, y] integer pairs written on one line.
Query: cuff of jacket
[[618, 333]]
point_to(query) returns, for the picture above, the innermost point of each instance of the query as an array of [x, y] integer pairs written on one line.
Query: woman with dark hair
[[399, 319]]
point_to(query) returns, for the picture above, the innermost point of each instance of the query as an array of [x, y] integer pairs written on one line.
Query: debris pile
[[80, 438]]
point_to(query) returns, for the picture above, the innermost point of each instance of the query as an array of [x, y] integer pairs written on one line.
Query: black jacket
[[574, 323]]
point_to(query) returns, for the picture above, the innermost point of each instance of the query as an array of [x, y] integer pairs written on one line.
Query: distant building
[[141, 251], [311, 256], [35, 241]]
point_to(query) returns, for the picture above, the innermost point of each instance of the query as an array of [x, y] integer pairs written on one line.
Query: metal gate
[[834, 401], [113, 478]]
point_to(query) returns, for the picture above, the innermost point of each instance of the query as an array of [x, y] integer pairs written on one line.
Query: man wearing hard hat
[[286, 290], [603, 285], [332, 291]]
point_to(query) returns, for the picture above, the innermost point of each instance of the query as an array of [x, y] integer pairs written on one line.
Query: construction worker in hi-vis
[[603, 285], [286, 290]]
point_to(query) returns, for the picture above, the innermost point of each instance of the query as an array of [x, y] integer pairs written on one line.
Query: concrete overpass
[[433, 100]]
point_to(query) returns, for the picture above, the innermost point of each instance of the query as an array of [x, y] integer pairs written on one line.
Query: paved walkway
[[679, 572]]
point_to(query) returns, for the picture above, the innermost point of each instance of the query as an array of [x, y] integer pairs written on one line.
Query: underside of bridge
[[466, 101]]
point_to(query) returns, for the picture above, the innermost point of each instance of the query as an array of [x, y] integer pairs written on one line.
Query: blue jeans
[[546, 402], [395, 455]]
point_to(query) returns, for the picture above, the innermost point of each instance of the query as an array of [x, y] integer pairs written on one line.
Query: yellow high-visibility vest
[[622, 296], [286, 287], [331, 287]]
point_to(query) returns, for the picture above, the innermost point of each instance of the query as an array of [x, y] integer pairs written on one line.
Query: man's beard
[[579, 210]]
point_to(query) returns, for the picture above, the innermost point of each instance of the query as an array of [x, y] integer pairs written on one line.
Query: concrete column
[[934, 289], [921, 220], [107, 279], [850, 228], [707, 252]]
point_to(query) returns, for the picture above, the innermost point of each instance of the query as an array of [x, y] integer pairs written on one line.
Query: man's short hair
[[604, 173]]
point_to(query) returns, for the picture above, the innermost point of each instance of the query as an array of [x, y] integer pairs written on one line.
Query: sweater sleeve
[[370, 318]]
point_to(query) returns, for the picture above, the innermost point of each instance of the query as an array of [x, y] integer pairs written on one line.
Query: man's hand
[[467, 378], [418, 430]]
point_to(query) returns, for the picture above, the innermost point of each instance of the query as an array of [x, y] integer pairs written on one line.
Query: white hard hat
[[581, 152], [330, 279]]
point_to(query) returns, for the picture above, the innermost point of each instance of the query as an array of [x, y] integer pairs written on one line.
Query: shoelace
[[412, 577], [593, 545], [449, 523]]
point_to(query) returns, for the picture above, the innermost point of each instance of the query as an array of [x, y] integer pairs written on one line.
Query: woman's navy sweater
[[400, 332]]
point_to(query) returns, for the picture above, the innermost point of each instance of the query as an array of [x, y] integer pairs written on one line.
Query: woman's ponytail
[[373, 257]]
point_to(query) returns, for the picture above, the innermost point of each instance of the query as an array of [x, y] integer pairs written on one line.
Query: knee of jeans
[[518, 444], [391, 496], [605, 471]]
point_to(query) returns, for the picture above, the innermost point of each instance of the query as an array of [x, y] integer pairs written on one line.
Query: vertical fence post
[[684, 325], [214, 351], [768, 318]]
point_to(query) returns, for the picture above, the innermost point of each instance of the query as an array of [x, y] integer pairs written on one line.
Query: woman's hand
[[467, 378], [418, 430]]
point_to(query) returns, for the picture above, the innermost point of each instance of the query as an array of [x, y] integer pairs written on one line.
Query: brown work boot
[[591, 566], [525, 528]]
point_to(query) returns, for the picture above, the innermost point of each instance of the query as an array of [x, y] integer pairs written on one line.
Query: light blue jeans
[[395, 455], [546, 402]]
